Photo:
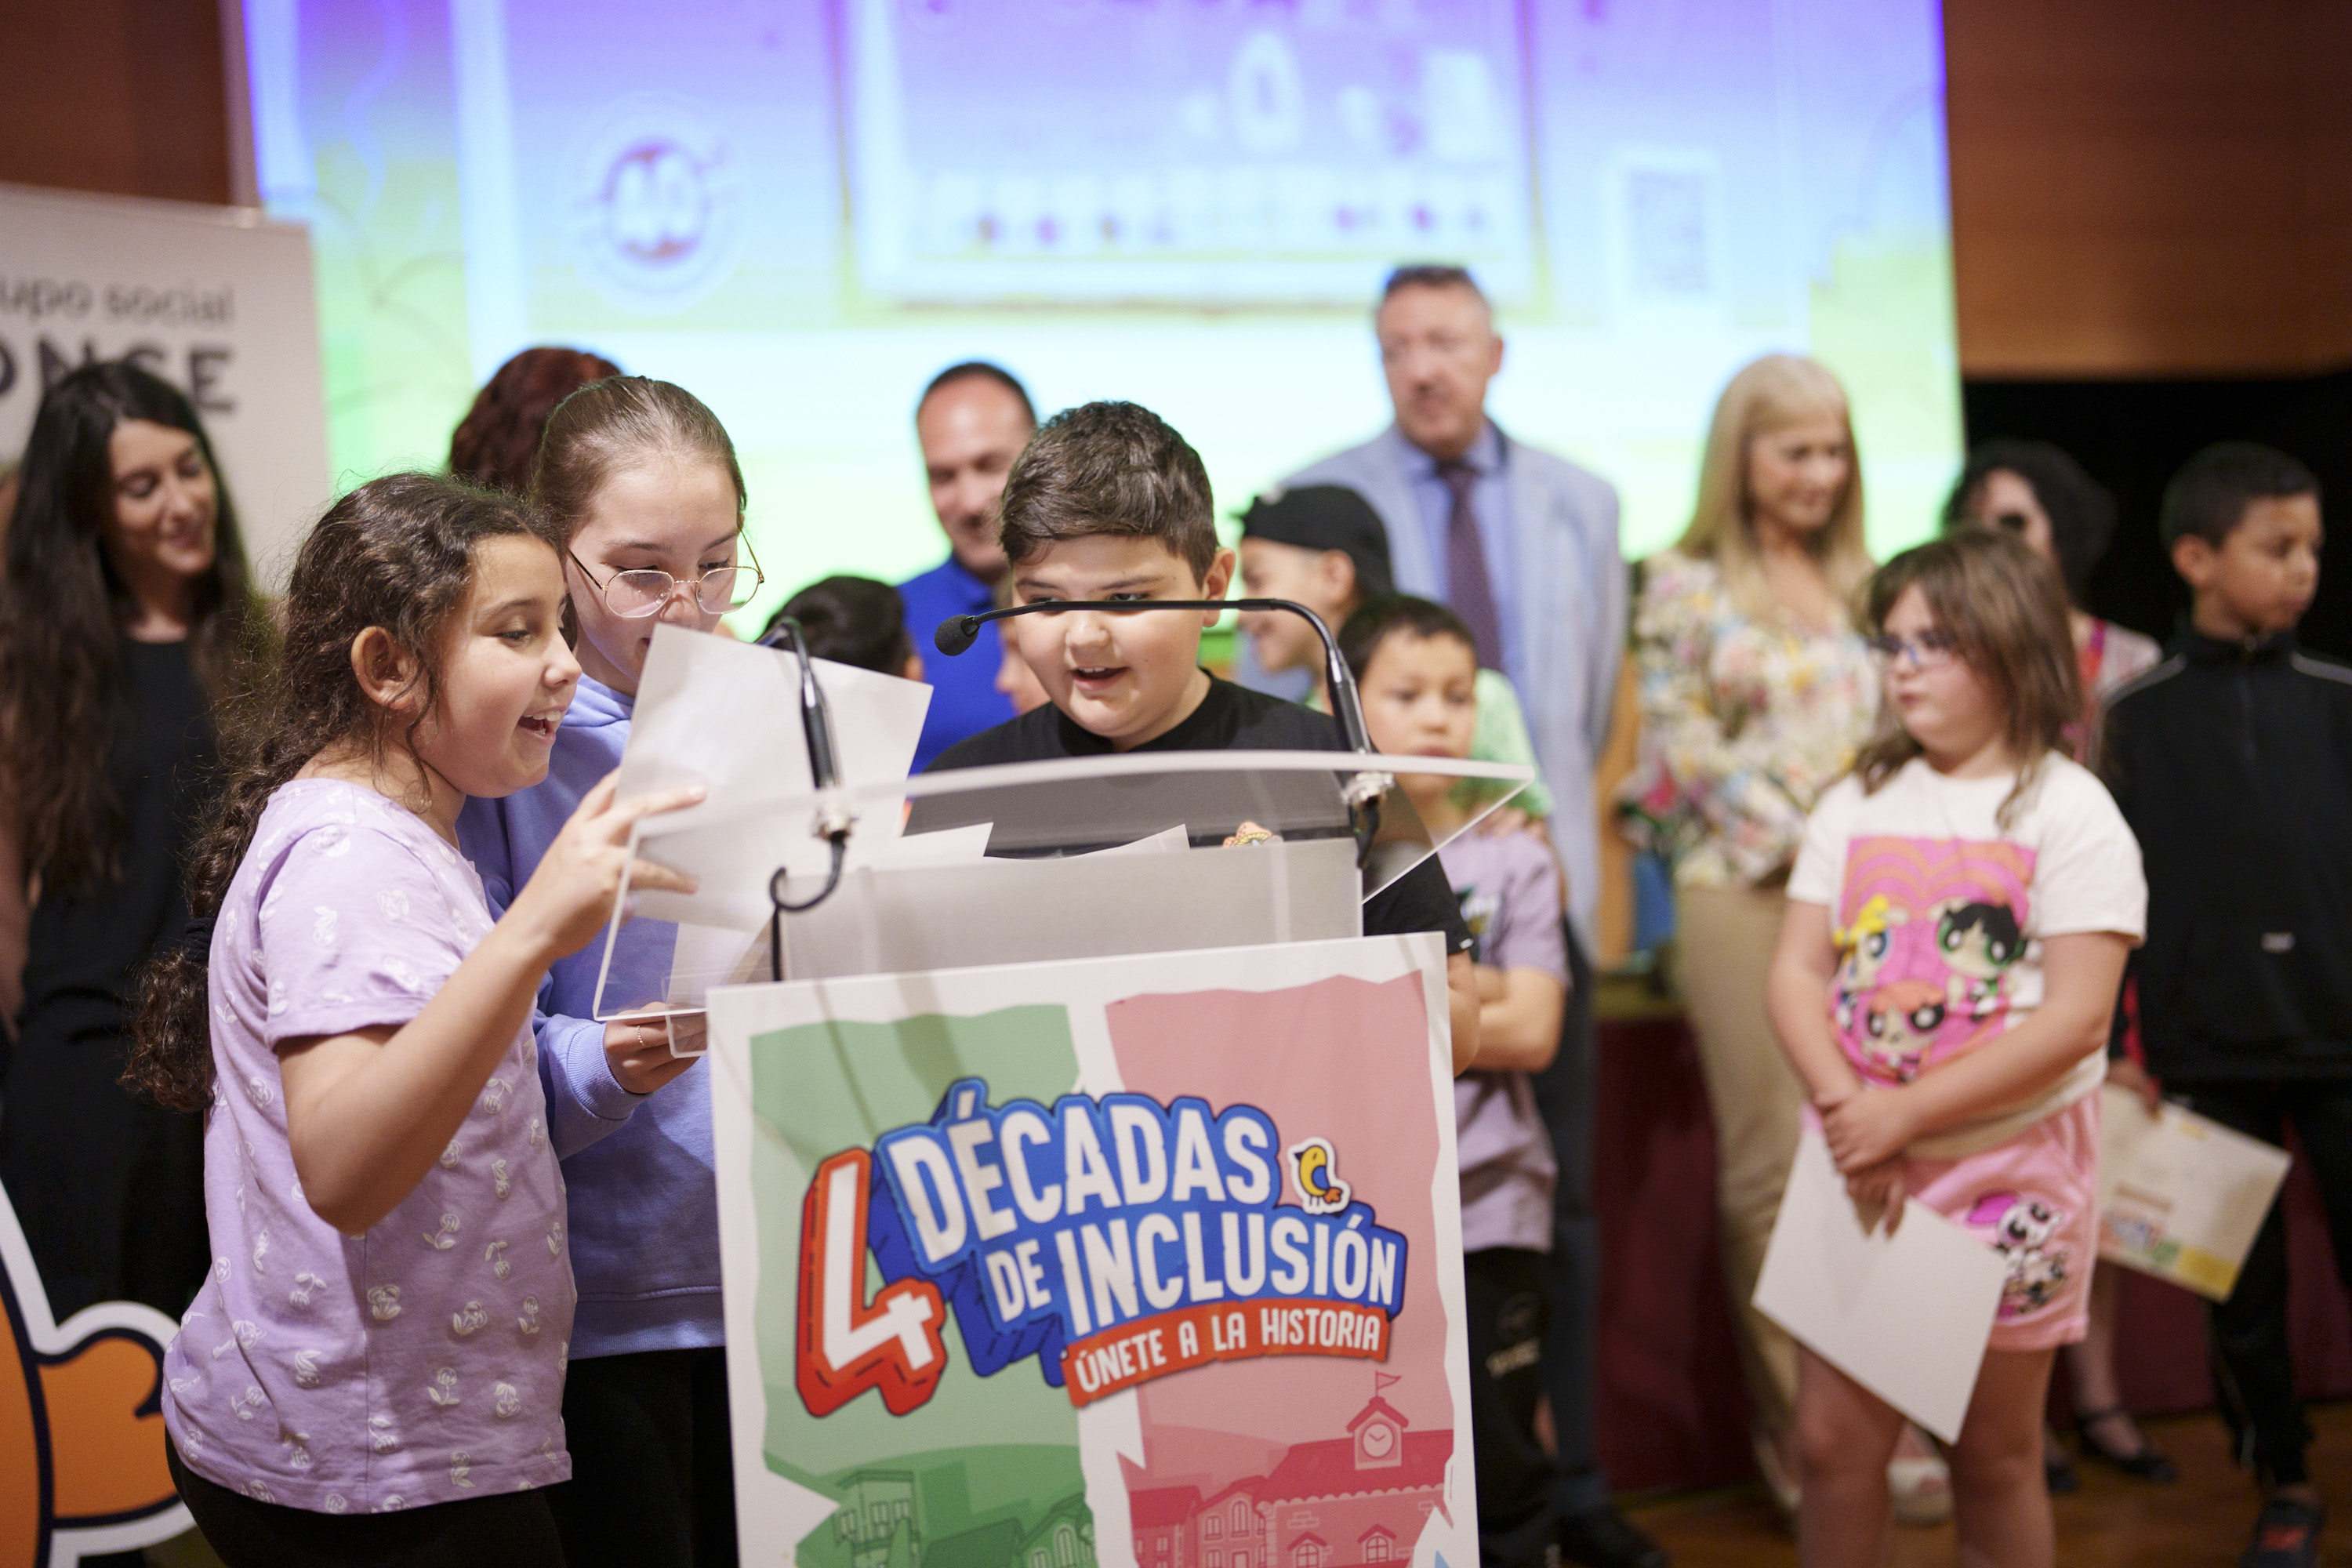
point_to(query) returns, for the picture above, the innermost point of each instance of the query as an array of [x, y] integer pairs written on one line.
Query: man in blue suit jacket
[[1523, 545]]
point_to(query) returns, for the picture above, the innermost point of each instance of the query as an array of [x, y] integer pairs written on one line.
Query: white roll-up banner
[[217, 300]]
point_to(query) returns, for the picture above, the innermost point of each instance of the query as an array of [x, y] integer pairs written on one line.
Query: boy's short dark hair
[[2209, 497], [1110, 468], [852, 620], [1378, 619]]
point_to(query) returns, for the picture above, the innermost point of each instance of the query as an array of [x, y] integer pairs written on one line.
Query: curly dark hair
[[495, 444], [397, 552], [62, 610]]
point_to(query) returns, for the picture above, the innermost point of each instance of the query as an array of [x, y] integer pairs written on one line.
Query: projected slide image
[[803, 209], [1184, 151], [656, 207]]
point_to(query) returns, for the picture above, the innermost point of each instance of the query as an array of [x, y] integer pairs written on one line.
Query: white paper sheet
[[948, 846], [2181, 1196], [726, 715], [715, 711], [1176, 840], [1905, 1316]]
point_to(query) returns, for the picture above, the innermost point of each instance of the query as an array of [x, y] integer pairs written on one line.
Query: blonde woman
[[1756, 689]]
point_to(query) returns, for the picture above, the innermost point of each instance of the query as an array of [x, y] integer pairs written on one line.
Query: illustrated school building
[[1337, 1502]]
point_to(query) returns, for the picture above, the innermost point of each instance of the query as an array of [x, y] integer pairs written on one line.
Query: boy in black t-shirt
[[1108, 501]]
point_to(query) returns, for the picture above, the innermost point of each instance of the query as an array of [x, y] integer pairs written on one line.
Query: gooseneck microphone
[[956, 632], [832, 819]]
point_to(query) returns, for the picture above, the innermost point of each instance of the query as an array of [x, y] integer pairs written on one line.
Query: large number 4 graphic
[[847, 1345]]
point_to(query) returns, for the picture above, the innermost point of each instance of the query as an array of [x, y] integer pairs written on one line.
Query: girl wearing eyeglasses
[[1958, 921], [642, 481]]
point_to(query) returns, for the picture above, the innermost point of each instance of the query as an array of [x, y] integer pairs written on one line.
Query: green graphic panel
[[991, 1507], [819, 1089]]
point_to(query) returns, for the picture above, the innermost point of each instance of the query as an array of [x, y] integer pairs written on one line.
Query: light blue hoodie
[[644, 1208]]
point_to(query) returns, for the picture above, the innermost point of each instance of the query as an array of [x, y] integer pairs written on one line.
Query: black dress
[[109, 1188]]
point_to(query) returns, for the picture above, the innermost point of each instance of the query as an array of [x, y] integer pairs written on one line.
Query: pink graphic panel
[[1345, 1060]]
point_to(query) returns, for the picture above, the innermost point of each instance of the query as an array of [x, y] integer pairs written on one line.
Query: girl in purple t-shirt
[[382, 1332]]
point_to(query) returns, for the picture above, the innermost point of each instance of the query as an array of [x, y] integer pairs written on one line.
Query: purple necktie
[[1468, 589]]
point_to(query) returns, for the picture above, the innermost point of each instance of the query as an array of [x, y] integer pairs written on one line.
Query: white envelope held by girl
[[1905, 1316]]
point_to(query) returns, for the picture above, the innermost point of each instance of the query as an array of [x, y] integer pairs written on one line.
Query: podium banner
[[1119, 1262]]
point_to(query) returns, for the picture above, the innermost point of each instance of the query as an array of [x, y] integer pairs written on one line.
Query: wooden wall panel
[[2151, 186], [2327, 183], [120, 95]]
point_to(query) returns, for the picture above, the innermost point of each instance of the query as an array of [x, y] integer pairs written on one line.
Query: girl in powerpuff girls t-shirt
[[1958, 923]]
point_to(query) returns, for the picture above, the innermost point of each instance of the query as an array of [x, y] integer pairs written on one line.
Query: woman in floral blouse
[[1755, 689]]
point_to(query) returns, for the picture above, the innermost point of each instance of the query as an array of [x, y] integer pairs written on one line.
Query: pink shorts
[[2034, 1200]]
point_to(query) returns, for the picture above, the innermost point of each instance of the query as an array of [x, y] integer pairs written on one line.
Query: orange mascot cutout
[[82, 1422]]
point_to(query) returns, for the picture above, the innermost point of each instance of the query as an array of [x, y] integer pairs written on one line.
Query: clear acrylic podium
[[1073, 857]]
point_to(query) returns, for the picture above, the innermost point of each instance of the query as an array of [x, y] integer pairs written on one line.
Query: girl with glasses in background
[[641, 480]]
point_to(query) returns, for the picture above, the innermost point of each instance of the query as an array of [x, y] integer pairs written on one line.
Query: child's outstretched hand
[[1867, 1128], [570, 895]]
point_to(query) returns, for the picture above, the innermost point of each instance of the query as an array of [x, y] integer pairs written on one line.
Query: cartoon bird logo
[[1314, 1177], [81, 1423]]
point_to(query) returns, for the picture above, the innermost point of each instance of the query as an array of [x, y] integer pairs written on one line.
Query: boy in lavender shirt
[[1418, 670], [1510, 887]]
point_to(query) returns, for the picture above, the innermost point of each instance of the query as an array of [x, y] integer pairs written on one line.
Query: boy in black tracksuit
[[2232, 762]]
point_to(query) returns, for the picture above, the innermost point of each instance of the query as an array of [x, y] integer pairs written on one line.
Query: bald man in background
[[972, 421]]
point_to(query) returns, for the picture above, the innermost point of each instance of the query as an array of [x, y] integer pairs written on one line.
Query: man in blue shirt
[[972, 421]]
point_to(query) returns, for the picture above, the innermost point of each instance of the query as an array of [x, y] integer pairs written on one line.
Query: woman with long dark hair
[[126, 615]]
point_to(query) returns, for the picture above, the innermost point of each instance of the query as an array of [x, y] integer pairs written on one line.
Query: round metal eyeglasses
[[643, 591]]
